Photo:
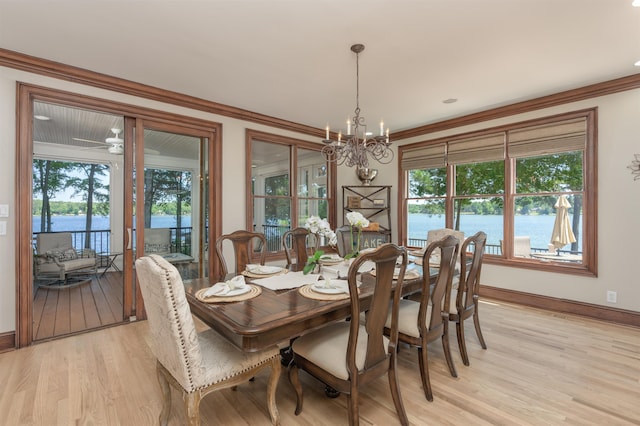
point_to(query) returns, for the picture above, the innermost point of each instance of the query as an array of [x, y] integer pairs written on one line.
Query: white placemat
[[287, 281]]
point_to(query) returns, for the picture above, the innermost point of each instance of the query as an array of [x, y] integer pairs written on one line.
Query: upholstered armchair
[[56, 258]]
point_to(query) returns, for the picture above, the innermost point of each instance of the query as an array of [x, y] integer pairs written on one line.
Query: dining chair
[[421, 322], [347, 355], [194, 363], [245, 244], [463, 301], [297, 242]]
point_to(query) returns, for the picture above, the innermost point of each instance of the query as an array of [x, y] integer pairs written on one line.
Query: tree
[[49, 177], [90, 188]]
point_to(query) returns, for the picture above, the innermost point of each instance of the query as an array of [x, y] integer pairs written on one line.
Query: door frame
[[26, 95]]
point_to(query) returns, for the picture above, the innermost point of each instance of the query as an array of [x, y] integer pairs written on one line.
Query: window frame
[[294, 145], [589, 264]]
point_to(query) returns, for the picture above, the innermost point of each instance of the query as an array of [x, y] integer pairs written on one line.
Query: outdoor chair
[[194, 363], [522, 246], [348, 355], [463, 301], [421, 322], [157, 241], [245, 244], [56, 259]]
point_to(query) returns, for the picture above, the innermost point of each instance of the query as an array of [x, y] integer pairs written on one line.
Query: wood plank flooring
[[540, 368], [61, 312]]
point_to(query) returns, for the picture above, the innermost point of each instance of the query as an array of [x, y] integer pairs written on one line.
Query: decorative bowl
[[366, 175]]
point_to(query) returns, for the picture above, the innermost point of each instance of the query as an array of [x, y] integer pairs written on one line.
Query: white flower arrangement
[[321, 228], [356, 220]]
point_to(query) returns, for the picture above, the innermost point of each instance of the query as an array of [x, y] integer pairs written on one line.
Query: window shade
[[550, 138], [427, 157], [477, 150]]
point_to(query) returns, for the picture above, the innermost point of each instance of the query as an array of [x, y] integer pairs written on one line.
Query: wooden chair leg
[[192, 407], [352, 405], [295, 382], [476, 323], [461, 342], [423, 362], [165, 387], [272, 385], [395, 391], [447, 350]]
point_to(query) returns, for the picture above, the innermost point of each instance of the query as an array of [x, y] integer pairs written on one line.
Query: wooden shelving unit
[[372, 202]]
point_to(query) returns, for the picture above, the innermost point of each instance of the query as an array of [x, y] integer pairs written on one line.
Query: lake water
[[101, 223], [538, 228], [102, 241]]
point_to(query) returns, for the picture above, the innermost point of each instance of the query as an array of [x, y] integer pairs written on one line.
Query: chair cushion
[[327, 348], [68, 265], [408, 317], [221, 360]]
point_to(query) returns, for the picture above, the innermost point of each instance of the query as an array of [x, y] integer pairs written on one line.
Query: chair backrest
[[296, 243], [438, 234], [522, 246], [243, 246], [448, 248], [157, 240], [53, 241], [174, 340], [385, 257], [470, 274]]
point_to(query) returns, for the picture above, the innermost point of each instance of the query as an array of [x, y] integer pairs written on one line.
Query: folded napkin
[[263, 269], [222, 288], [342, 285], [287, 281]]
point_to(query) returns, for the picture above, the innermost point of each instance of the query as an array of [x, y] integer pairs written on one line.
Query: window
[[529, 186], [289, 182]]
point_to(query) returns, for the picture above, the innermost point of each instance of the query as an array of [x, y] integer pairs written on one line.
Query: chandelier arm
[[356, 148]]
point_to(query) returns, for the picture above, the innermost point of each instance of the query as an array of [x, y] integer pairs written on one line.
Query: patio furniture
[[56, 260], [194, 363], [349, 355], [522, 246]]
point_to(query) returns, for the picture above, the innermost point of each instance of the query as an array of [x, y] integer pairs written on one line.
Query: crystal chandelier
[[356, 146]]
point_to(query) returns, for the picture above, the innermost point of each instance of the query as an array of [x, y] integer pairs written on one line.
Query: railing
[[273, 234], [490, 248], [100, 240]]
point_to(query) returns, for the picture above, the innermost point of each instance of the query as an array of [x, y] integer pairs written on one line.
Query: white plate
[[264, 270], [320, 288]]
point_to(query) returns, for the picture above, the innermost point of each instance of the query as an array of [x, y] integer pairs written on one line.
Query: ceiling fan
[[114, 144]]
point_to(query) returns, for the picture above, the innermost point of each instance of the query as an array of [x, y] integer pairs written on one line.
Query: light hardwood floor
[[541, 368]]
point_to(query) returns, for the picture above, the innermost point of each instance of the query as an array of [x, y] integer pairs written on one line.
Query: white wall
[[618, 210], [618, 194]]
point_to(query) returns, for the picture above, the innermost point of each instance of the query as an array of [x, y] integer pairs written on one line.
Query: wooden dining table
[[279, 316]]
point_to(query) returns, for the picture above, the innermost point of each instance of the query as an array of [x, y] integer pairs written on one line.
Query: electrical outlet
[[612, 296]]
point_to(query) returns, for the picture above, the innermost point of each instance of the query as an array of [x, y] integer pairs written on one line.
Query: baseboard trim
[[7, 341], [603, 313]]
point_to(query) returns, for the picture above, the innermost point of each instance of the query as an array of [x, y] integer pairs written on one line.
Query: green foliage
[[312, 262]]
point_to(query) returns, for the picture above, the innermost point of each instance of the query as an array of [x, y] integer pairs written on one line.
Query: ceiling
[[292, 60]]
